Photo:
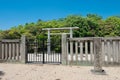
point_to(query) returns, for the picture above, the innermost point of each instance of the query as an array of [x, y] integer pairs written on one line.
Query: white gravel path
[[54, 72]]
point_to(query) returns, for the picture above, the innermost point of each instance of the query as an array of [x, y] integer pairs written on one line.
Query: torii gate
[[50, 29]]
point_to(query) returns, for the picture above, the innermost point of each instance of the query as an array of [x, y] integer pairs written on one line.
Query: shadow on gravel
[[1, 73]]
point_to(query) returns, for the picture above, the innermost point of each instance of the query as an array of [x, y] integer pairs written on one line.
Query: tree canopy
[[90, 26]]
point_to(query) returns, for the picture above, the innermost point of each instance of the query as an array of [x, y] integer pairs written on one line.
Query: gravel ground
[[54, 72]]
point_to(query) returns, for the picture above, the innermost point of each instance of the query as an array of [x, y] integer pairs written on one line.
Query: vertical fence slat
[[67, 55], [91, 51], [112, 47], [115, 51], [119, 52], [17, 51], [86, 50], [71, 51], [10, 51], [108, 51], [81, 50], [6, 51], [76, 50], [114, 54], [3, 51], [103, 51], [13, 51], [0, 49], [111, 51]]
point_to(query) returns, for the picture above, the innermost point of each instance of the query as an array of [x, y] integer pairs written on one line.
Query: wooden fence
[[81, 50], [12, 50], [74, 50]]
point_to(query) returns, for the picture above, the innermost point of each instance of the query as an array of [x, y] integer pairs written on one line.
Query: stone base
[[100, 72]]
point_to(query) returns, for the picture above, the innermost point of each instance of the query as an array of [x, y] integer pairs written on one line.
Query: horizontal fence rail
[[81, 50]]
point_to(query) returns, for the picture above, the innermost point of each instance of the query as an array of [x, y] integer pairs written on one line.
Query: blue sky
[[15, 12]]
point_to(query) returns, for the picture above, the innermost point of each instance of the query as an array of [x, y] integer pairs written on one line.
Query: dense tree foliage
[[90, 26]]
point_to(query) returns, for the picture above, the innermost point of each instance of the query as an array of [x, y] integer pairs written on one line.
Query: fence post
[[64, 49], [0, 49], [98, 56], [119, 52], [23, 50]]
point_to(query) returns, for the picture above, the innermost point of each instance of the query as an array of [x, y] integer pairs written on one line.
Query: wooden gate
[[37, 51]]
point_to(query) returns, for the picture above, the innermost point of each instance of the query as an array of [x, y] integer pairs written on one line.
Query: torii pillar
[[48, 43]]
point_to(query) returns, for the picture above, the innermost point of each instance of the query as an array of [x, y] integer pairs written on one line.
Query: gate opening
[[37, 50], [47, 49]]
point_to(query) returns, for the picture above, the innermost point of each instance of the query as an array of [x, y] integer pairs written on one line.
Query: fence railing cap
[[10, 40], [92, 38]]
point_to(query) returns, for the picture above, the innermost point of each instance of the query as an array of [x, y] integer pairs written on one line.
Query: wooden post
[[17, 51], [86, 51], [64, 49], [98, 56], [114, 52], [23, 48], [103, 52], [0, 49], [48, 43], [71, 52], [10, 51], [13, 51], [3, 51], [81, 51], [6, 51], [76, 51], [117, 48], [91, 51], [119, 52], [108, 52], [71, 33]]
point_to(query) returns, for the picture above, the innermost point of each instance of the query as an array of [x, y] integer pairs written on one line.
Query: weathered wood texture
[[13, 50], [97, 54], [64, 49], [9, 50], [82, 50], [23, 49], [65, 28]]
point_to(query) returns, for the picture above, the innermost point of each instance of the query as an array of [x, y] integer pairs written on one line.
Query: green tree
[[112, 26]]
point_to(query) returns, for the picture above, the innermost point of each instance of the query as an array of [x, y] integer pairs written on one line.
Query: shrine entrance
[[47, 49]]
